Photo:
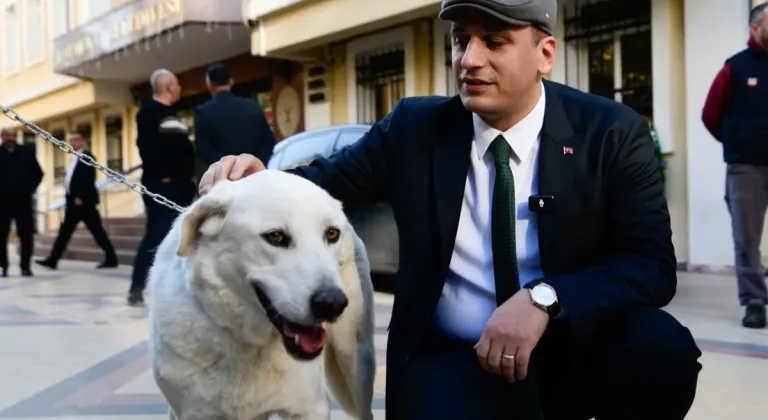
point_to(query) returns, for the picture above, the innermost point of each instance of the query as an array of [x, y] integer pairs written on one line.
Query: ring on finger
[[507, 357]]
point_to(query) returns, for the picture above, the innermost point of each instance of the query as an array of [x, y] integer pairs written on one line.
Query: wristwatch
[[544, 297]]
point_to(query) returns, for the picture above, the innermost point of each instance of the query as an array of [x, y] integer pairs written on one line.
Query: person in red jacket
[[736, 114]]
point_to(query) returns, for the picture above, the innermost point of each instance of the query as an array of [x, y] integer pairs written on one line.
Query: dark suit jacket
[[605, 247], [230, 125], [20, 173], [82, 185]]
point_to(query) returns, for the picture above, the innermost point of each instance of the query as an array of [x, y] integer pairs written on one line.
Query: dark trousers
[[89, 215], [746, 193], [20, 210], [159, 222], [643, 365]]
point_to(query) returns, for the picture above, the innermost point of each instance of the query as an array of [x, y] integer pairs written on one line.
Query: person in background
[[230, 125], [735, 113], [20, 175], [168, 161], [82, 199]]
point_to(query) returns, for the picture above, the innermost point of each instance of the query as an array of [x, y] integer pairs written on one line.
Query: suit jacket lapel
[[452, 146], [556, 163]]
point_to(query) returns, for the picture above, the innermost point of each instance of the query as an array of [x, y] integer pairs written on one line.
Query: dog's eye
[[332, 235], [277, 238]]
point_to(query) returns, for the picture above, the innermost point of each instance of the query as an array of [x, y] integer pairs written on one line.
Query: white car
[[375, 223]]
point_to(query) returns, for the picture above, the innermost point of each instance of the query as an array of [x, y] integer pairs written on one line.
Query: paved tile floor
[[70, 348]]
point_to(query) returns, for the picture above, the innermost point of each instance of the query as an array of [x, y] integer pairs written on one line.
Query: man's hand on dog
[[513, 330], [231, 168]]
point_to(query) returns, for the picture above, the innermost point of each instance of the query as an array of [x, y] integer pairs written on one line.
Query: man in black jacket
[[535, 241], [82, 199], [20, 175], [168, 163], [229, 125]]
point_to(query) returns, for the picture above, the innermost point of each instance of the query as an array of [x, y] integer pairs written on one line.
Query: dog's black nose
[[327, 304]]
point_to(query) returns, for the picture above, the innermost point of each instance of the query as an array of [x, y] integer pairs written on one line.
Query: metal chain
[[10, 113]]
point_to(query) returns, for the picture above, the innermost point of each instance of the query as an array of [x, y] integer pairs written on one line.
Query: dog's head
[[271, 242]]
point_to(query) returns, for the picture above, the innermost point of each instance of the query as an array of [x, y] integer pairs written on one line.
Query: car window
[[348, 137], [308, 147]]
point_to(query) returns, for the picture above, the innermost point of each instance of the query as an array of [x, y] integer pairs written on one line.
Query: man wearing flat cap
[[535, 243]]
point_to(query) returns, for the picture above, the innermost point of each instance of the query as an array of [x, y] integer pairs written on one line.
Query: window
[[115, 143], [348, 137], [11, 29], [34, 30], [59, 158], [28, 139], [60, 17], [611, 40], [601, 68], [308, 147], [380, 81]]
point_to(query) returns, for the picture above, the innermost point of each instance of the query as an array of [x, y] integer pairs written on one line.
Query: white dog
[[256, 280]]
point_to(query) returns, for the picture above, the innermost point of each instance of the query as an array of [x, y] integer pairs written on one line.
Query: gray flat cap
[[541, 14]]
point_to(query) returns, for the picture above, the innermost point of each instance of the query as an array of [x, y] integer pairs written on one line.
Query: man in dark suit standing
[[20, 175], [535, 240], [168, 163], [229, 125], [82, 199]]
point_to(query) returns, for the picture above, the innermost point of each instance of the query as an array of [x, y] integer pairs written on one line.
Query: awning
[[131, 41], [288, 26]]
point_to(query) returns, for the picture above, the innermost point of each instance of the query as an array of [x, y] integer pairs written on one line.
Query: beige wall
[[51, 101]]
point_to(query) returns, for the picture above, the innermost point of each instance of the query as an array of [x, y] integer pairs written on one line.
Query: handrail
[[99, 186]]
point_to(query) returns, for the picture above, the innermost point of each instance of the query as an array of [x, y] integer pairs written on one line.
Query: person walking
[[82, 200], [736, 114]]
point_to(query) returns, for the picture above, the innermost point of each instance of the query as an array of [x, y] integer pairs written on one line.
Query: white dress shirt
[[70, 170], [469, 294]]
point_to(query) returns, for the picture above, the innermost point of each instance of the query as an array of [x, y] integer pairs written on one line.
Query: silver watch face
[[543, 294]]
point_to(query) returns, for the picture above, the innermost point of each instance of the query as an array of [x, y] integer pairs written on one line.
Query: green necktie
[[504, 245]]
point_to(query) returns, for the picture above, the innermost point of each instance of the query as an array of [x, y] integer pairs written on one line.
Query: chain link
[[115, 176]]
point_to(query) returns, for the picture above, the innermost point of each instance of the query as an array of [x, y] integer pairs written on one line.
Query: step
[[85, 240], [126, 221], [86, 254], [115, 230]]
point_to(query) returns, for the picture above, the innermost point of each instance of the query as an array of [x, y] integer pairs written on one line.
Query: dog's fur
[[215, 354]]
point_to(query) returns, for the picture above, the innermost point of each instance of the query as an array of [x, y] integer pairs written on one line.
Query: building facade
[[84, 65], [656, 56]]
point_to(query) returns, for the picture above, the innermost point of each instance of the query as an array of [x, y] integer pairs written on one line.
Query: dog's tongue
[[311, 339]]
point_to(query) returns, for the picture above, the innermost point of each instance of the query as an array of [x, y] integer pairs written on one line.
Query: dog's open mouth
[[301, 341]]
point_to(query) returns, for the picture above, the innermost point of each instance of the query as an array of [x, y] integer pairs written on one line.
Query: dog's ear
[[205, 218]]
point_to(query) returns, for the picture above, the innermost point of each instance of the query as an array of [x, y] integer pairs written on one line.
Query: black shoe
[[25, 272], [135, 299], [4, 272], [755, 315], [107, 264], [49, 263]]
